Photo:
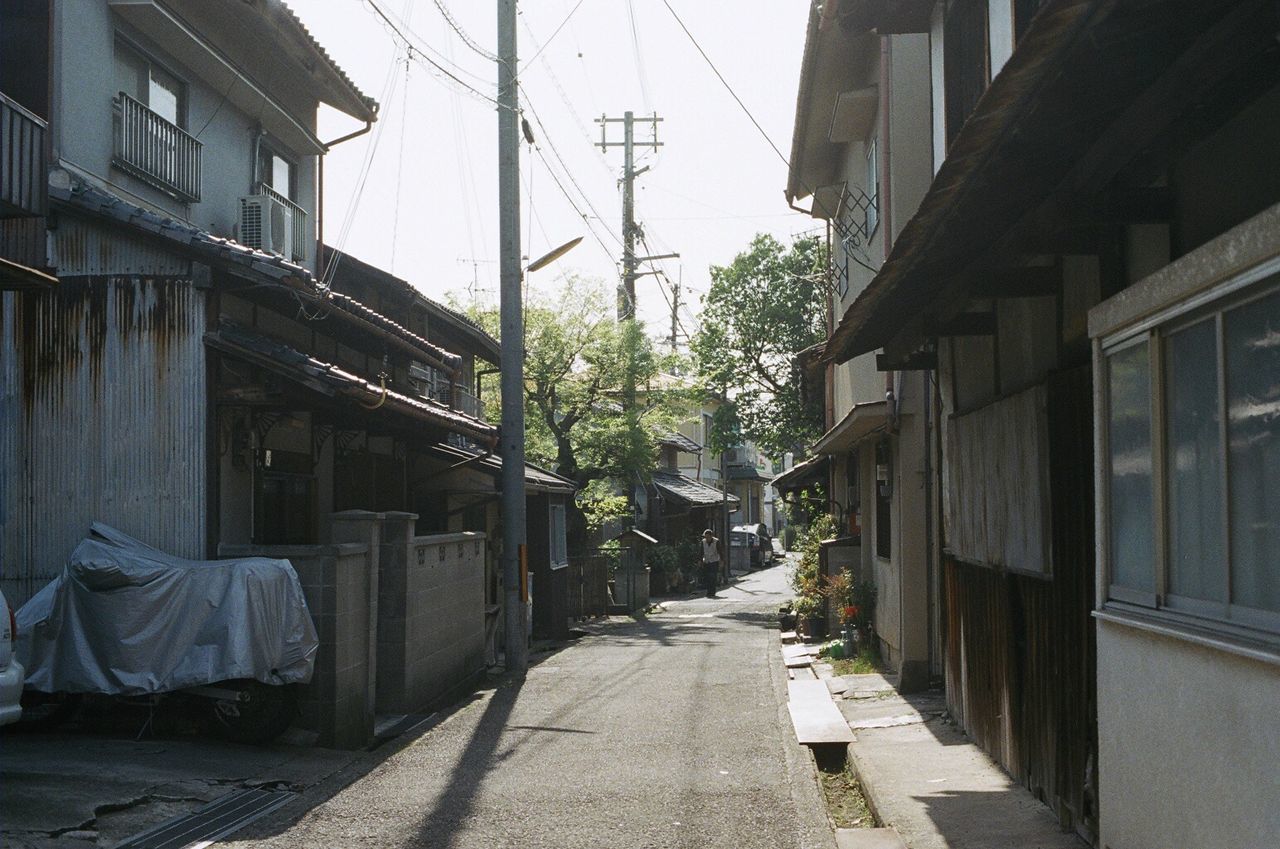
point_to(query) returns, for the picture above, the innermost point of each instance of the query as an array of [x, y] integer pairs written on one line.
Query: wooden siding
[[996, 496], [1021, 652]]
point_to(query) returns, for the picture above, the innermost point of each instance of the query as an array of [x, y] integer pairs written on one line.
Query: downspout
[[327, 146], [884, 198]]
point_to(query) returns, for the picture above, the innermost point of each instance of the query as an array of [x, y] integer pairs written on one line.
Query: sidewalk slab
[[868, 838], [927, 780]]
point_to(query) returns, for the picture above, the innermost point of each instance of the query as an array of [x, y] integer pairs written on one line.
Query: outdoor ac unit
[[266, 224]]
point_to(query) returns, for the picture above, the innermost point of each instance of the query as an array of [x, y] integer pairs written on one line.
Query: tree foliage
[[577, 421], [763, 308]]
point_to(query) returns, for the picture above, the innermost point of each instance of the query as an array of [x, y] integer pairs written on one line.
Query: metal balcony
[[24, 181], [155, 150]]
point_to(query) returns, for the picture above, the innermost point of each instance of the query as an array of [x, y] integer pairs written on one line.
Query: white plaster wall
[[1188, 746], [999, 33], [938, 87], [910, 148]]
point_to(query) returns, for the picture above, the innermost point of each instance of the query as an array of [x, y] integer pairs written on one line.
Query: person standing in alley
[[710, 561]]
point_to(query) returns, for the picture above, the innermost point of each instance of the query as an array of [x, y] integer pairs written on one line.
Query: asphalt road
[[667, 732]]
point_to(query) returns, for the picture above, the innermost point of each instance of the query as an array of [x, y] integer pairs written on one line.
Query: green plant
[[806, 606]]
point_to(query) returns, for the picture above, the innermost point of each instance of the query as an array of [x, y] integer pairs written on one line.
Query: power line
[[635, 46], [466, 39], [725, 82], [551, 38]]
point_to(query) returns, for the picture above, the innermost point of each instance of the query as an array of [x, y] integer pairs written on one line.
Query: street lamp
[[553, 255]]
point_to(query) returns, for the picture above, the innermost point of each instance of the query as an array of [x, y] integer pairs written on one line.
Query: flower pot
[[815, 627]]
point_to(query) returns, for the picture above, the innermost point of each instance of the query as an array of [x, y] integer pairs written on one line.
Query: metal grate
[[250, 223], [214, 821]]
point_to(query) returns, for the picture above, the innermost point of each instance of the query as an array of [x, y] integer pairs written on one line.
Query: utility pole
[[675, 310], [630, 230], [511, 436]]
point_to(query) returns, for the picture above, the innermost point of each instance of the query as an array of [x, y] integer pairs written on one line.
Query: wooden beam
[[916, 361], [1032, 281], [969, 324], [1125, 205]]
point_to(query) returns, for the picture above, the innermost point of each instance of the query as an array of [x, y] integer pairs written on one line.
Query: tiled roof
[[329, 379], [293, 19], [216, 250], [680, 441], [536, 479], [687, 490]]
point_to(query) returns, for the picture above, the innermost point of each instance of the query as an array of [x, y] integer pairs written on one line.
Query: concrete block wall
[[335, 581], [431, 624]]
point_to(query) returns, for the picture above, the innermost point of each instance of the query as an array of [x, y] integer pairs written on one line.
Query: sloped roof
[[536, 478], [228, 253], [328, 379], [686, 490], [681, 442]]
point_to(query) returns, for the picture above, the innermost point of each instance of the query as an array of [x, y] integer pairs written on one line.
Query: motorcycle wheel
[[261, 714], [46, 711]]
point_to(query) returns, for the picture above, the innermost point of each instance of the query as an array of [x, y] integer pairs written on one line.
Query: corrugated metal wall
[[1021, 652], [102, 417]]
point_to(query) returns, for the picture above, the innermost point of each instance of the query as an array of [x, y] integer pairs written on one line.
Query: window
[[149, 84], [277, 172], [559, 545], [1193, 435]]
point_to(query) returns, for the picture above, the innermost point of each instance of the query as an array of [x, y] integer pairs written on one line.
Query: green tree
[[763, 308], [577, 421]]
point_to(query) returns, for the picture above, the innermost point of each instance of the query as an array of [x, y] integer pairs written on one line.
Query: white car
[[11, 672]]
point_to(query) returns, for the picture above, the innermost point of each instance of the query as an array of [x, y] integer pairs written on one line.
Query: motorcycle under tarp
[[126, 618]]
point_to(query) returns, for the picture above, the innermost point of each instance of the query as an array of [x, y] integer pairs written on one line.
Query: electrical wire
[[466, 39], [725, 82], [639, 56], [551, 37], [404, 121]]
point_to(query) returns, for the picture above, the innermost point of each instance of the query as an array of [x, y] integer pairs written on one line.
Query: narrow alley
[[666, 732]]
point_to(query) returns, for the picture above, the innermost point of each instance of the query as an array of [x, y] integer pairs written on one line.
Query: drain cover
[[215, 820]]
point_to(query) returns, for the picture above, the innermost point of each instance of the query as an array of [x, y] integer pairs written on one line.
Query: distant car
[[11, 672]]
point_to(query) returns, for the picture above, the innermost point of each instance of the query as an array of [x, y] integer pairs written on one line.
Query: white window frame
[[1224, 625]]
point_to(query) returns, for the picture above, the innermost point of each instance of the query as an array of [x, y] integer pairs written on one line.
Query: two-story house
[[1091, 282], [861, 161]]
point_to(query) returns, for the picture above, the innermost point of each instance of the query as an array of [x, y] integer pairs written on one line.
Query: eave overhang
[[859, 423], [1090, 86]]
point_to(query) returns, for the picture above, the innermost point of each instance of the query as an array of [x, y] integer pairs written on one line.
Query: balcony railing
[[155, 150], [23, 181], [465, 402], [298, 238]]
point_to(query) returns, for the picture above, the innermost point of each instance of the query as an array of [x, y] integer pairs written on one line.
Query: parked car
[[11, 672], [761, 543], [759, 549]]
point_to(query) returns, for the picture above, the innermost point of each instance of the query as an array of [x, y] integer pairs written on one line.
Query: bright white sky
[[428, 210]]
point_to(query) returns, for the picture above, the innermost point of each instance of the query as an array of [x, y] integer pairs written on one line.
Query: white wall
[[999, 33], [1188, 747]]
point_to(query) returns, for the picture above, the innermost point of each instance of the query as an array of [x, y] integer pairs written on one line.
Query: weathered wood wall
[[1020, 648], [996, 504]]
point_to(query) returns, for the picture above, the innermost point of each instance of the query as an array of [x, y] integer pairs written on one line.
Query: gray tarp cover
[[124, 617]]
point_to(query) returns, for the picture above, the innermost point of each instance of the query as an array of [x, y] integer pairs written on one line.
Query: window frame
[[872, 224], [1200, 617], [267, 149], [150, 63]]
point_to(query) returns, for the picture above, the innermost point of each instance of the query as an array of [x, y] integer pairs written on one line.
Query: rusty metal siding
[[79, 247], [102, 417], [1021, 651]]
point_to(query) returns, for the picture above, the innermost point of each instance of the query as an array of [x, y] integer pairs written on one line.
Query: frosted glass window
[[1252, 343], [1197, 559], [1129, 429]]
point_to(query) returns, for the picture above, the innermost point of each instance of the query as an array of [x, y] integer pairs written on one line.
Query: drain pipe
[[326, 146], [884, 196]]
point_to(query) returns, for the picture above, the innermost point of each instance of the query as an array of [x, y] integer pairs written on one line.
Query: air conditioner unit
[[267, 225]]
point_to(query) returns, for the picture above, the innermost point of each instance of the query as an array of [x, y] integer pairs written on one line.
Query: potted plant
[[809, 617]]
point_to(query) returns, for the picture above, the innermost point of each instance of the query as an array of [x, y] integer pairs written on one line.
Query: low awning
[[745, 473], [680, 442], [860, 422], [1092, 86], [15, 277], [536, 479], [331, 381], [801, 475], [686, 491]]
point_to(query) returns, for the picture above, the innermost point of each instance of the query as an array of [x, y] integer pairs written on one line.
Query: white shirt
[[710, 551]]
